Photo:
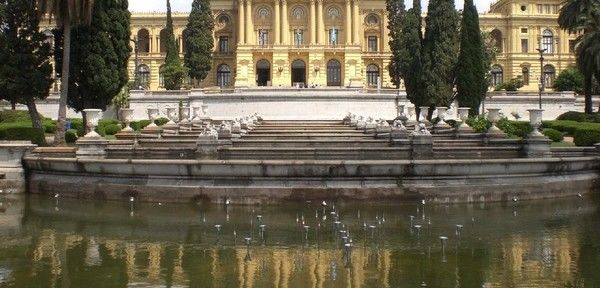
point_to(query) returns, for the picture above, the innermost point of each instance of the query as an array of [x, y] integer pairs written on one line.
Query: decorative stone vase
[[205, 110], [184, 114], [196, 113], [441, 125], [126, 117], [535, 120], [401, 111], [463, 115], [423, 115], [92, 116], [171, 114], [441, 112], [493, 116], [152, 115], [411, 116]]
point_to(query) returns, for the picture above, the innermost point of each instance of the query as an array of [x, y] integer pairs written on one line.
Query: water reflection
[[75, 243]]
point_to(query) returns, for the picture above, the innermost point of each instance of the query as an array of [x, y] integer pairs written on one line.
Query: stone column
[[158, 43], [348, 29], [276, 24], [321, 23], [285, 27], [313, 23], [249, 23], [384, 33], [241, 20], [356, 23]]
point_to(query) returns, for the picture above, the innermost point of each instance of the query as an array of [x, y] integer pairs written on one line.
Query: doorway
[[263, 73], [334, 73], [299, 73]]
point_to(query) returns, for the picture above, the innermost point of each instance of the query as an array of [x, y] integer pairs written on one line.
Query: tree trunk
[[13, 105], [59, 136], [587, 87], [36, 122]]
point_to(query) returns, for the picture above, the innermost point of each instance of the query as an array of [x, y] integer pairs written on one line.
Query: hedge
[[71, 136], [587, 137], [22, 131], [139, 125], [514, 128], [112, 129], [161, 121], [554, 135], [570, 127], [580, 117], [13, 116]]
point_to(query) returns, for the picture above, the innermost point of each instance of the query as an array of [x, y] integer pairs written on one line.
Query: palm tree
[[66, 14], [584, 15]]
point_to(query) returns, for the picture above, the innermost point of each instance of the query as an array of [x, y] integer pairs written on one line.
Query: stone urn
[[411, 118], [92, 116], [423, 115], [535, 120], [171, 114], [152, 115], [463, 115], [205, 110], [184, 114], [401, 110], [493, 116], [441, 124], [196, 112], [126, 117]]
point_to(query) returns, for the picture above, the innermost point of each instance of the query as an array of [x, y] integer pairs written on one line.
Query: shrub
[[139, 125], [12, 116], [554, 135], [510, 85], [112, 129], [514, 128], [479, 123], [77, 124], [49, 126], [71, 135], [22, 131], [161, 121], [570, 127], [587, 137], [579, 117]]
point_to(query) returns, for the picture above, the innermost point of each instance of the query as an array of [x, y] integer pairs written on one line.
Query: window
[[333, 36], [144, 74], [223, 75], [524, 30], [334, 73], [223, 44], [143, 41], [525, 72], [524, 46], [163, 41], [496, 75], [223, 20], [547, 41], [372, 20], [372, 43], [298, 37], [263, 37], [372, 75], [549, 74], [523, 8], [161, 76], [572, 45], [497, 37]]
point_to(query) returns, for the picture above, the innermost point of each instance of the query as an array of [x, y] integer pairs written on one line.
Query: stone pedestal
[[207, 147], [12, 175], [94, 147], [370, 127], [382, 132], [536, 147], [422, 146]]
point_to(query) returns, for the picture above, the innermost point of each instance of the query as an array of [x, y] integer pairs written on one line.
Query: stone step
[[302, 122], [299, 136], [320, 153], [311, 143], [297, 131], [294, 127]]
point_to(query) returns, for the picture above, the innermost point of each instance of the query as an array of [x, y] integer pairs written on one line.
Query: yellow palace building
[[341, 43]]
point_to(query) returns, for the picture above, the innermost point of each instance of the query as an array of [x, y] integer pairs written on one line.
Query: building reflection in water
[[68, 249]]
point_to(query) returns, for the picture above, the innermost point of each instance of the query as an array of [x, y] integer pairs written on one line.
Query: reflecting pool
[[57, 242]]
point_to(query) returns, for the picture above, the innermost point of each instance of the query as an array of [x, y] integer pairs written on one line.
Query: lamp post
[[136, 82], [541, 84]]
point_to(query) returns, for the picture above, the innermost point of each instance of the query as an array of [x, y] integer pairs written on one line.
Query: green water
[[47, 242]]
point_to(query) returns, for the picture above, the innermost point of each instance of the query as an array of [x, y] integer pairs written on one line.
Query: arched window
[[334, 73], [161, 76], [497, 75], [497, 37], [163, 40], [549, 74], [372, 19], [547, 41], [525, 71], [143, 41], [372, 75], [223, 75], [144, 74]]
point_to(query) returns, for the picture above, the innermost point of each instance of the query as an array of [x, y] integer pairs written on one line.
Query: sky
[[185, 5]]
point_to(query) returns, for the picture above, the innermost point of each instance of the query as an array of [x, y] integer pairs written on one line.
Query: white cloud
[[185, 5]]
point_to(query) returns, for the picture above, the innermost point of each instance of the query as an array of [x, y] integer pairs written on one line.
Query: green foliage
[[173, 71], [513, 84], [471, 84], [554, 135], [514, 128], [587, 137], [25, 68], [395, 10], [161, 121], [479, 123], [77, 124], [139, 125], [490, 51], [579, 117], [71, 136], [440, 50], [98, 63], [569, 79], [22, 131], [112, 129], [49, 126], [570, 127], [199, 40], [9, 116], [122, 99]]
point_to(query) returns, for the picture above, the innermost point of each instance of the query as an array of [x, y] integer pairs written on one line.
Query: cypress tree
[[99, 60], [395, 9], [471, 72], [199, 40], [440, 50], [173, 71], [410, 55], [25, 68]]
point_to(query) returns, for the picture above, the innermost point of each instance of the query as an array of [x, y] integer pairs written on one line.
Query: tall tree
[[99, 60], [25, 68], [395, 9], [66, 13], [410, 58], [173, 72], [199, 40], [440, 50], [471, 86], [583, 15]]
